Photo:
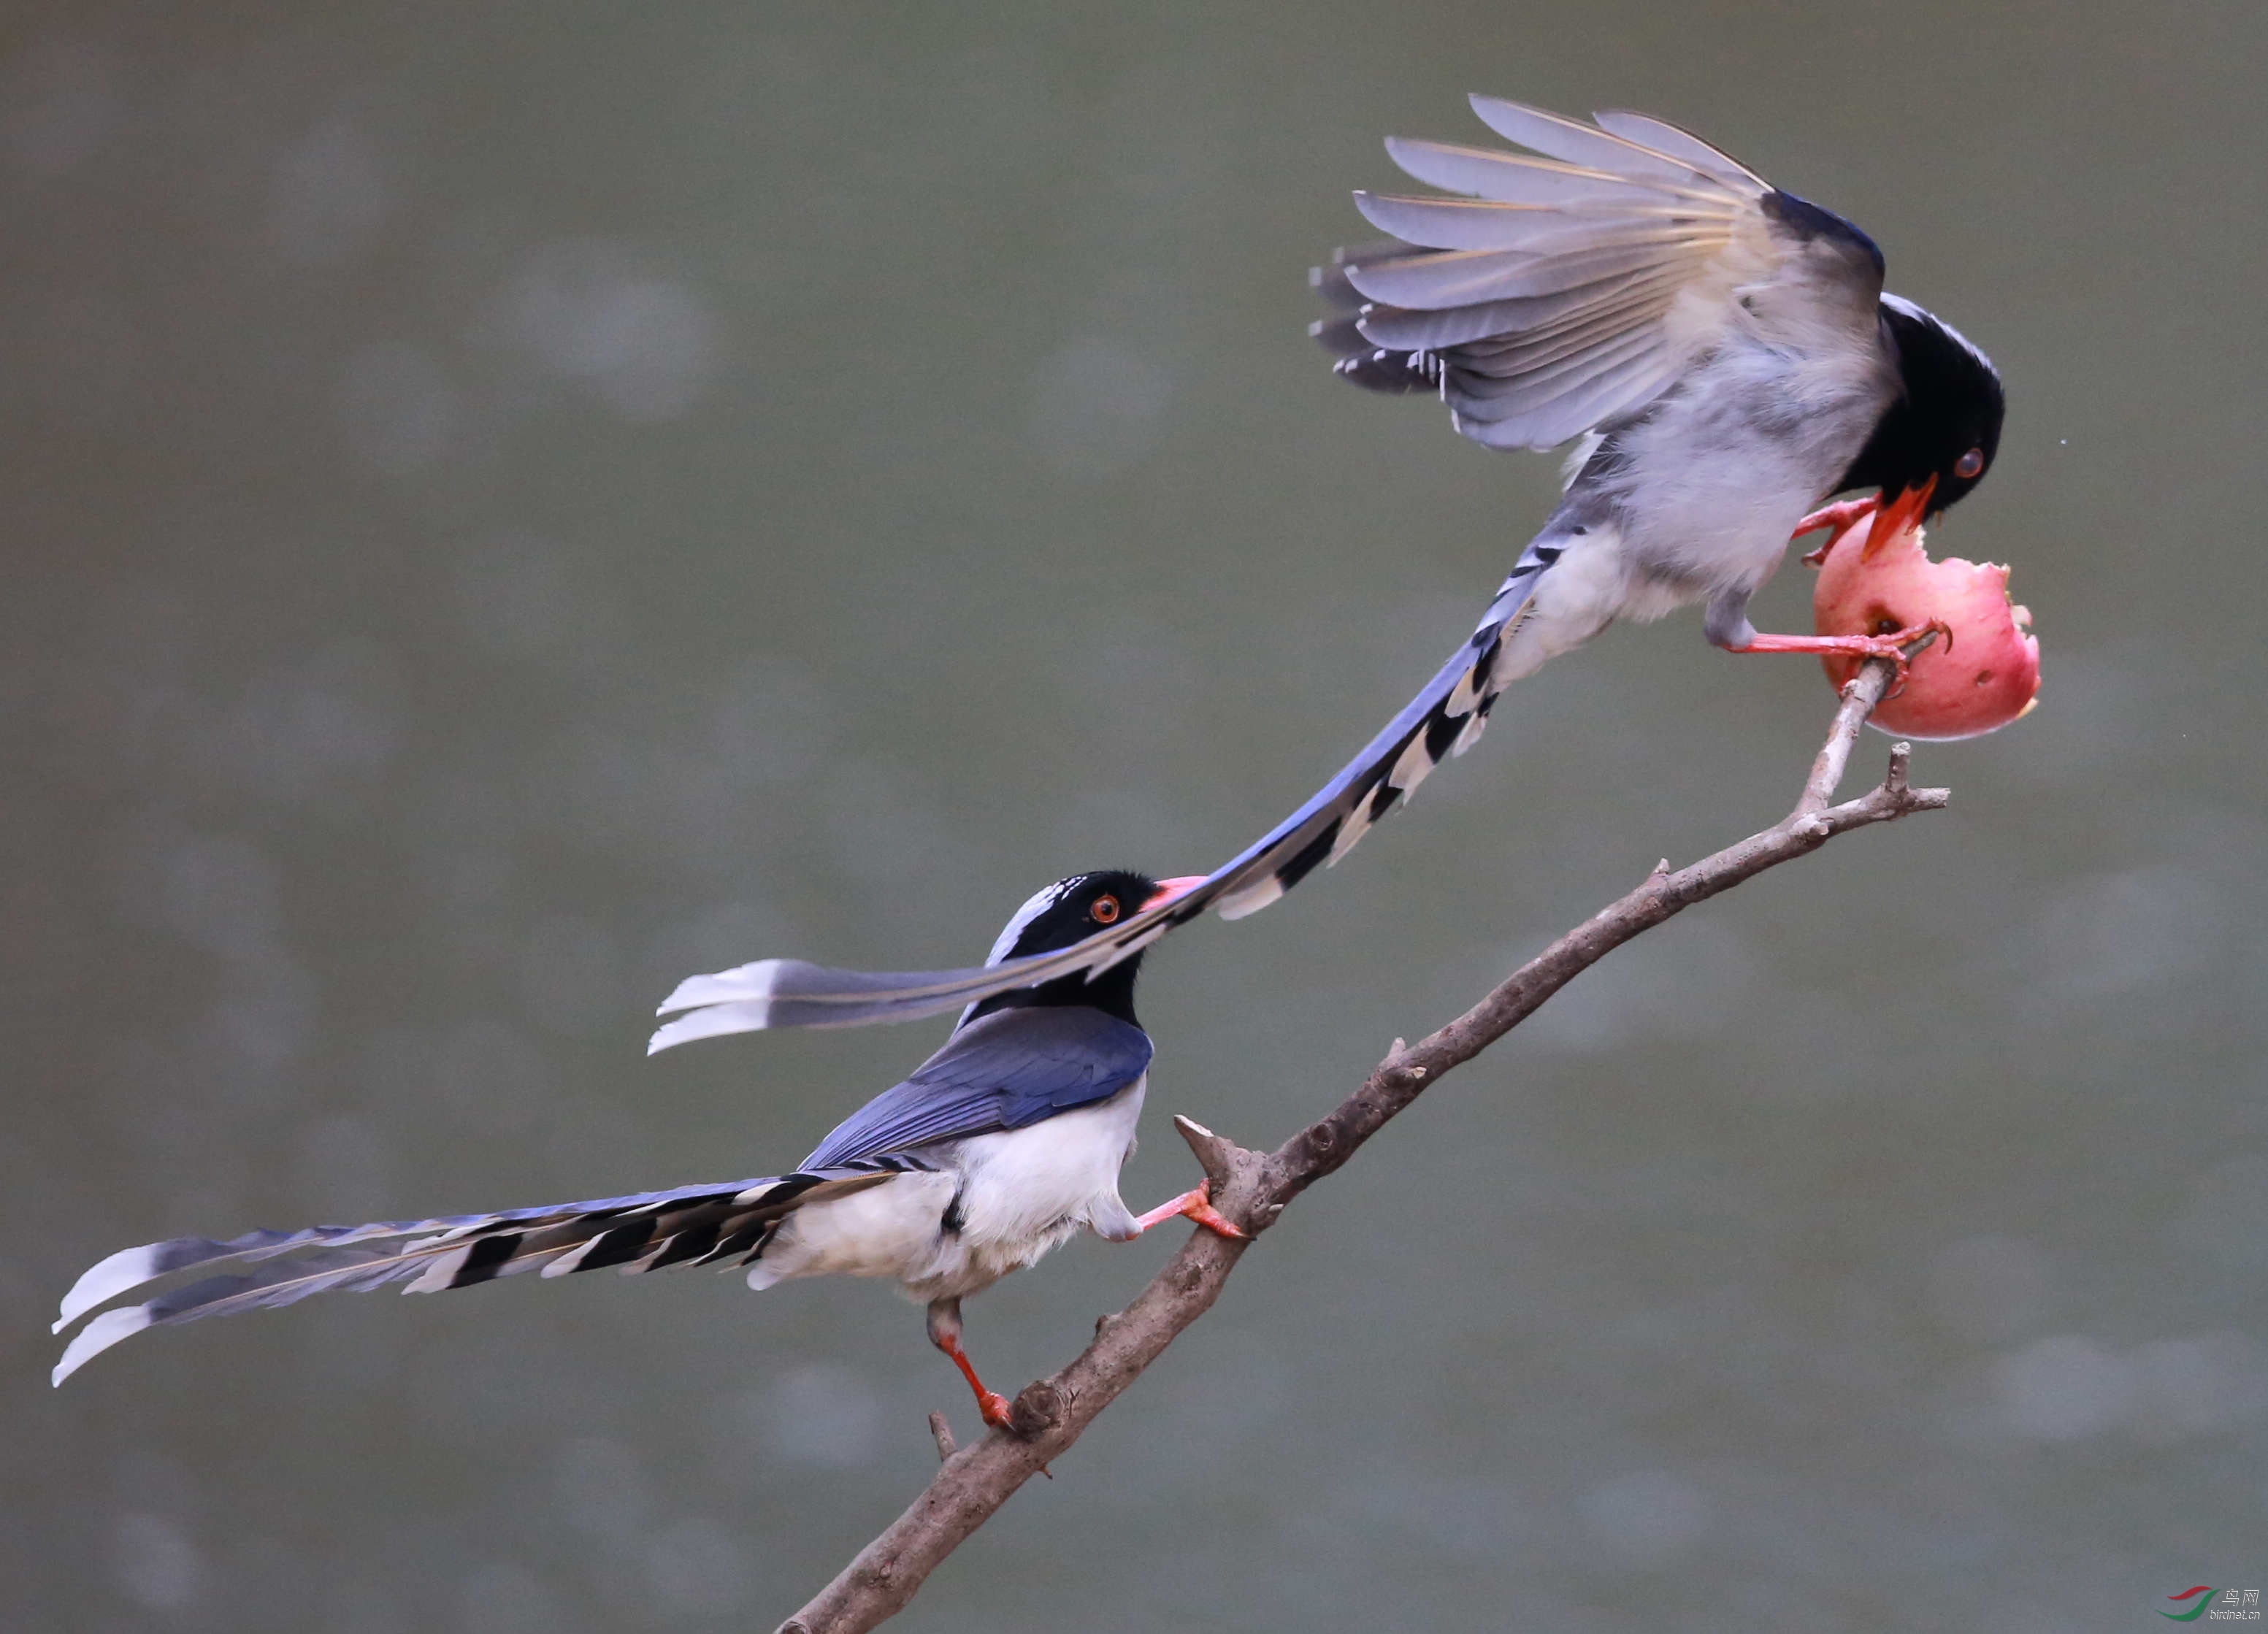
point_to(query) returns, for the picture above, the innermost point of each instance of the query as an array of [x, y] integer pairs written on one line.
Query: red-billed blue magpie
[[1727, 357], [997, 1149]]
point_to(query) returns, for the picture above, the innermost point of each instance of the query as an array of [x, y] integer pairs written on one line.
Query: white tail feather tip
[[742, 981], [98, 1336], [568, 1262], [1250, 899], [438, 1275], [752, 1016], [129, 1268]]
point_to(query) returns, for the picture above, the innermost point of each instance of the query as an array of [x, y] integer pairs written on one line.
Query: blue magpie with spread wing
[[1725, 352], [996, 1150]]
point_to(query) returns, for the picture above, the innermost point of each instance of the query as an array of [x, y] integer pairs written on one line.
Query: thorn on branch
[[1215, 1155], [941, 1432], [1392, 1074], [1901, 758]]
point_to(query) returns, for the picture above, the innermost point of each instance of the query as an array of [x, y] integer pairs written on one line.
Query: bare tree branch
[[1252, 1187]]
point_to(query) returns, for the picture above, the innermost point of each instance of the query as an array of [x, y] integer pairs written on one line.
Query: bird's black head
[[1938, 440], [1067, 912]]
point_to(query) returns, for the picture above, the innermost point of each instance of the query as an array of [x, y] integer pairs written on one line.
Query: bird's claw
[[1212, 1220], [1894, 644], [1890, 643], [1835, 518], [1195, 1204], [1000, 1413]]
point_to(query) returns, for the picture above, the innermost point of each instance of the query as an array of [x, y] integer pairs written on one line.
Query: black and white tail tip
[[726, 1225]]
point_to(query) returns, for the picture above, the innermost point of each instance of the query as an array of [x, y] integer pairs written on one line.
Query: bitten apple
[[1986, 675]]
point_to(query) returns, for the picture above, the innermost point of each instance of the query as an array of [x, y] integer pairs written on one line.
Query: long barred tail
[[1445, 718], [688, 1225]]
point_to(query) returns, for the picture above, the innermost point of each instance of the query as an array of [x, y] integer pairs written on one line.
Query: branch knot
[[1038, 1408]]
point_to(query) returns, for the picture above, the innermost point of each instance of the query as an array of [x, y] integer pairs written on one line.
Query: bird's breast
[[1025, 1189], [1707, 488]]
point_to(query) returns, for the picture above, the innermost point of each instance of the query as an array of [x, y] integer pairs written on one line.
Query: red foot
[[1891, 518], [1835, 517], [945, 1333], [1196, 1204], [1890, 643]]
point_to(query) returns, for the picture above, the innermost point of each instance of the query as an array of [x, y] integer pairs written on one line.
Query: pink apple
[[1986, 676]]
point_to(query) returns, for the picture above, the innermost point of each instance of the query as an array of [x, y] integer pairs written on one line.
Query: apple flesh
[[1987, 675]]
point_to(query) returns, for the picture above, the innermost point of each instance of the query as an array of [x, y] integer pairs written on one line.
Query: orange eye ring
[[1971, 464], [1105, 911]]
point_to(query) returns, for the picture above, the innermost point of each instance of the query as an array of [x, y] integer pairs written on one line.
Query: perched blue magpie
[[994, 1151], [1727, 355]]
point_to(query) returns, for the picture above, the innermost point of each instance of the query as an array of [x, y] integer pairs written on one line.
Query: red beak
[[1898, 516], [1172, 890]]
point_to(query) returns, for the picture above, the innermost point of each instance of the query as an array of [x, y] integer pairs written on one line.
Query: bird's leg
[[1727, 625], [1196, 1204], [1891, 644], [945, 1333], [1834, 518]]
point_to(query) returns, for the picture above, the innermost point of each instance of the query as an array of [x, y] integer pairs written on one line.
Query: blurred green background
[[505, 506]]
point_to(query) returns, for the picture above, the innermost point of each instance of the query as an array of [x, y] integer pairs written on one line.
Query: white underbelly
[[1011, 1197], [1589, 587], [889, 1230], [1050, 1178]]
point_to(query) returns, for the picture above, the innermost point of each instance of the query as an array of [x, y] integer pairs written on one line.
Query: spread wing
[[1564, 289], [1005, 1070]]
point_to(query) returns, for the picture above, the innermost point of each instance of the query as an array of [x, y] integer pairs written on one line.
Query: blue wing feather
[[1004, 1070]]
